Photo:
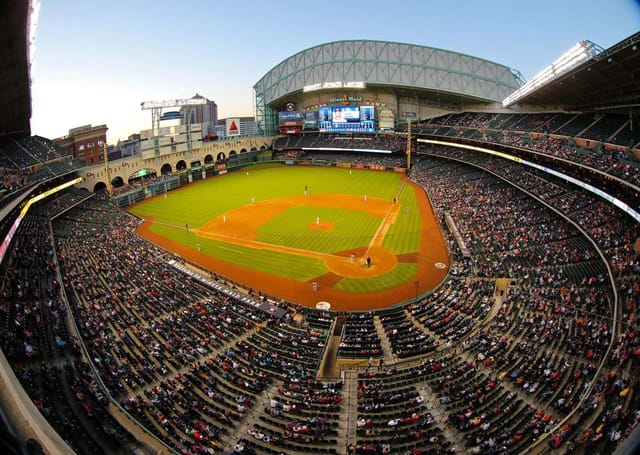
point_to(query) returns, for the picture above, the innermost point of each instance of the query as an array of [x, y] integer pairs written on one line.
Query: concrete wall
[[27, 421], [125, 167]]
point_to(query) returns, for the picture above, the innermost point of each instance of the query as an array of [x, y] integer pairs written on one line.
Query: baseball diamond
[[281, 240], [385, 247]]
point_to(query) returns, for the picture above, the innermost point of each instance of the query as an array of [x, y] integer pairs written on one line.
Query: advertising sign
[[386, 119], [232, 126], [287, 116]]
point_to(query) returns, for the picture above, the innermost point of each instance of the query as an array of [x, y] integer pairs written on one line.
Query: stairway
[[252, 415], [385, 344], [438, 413], [329, 368], [347, 431]]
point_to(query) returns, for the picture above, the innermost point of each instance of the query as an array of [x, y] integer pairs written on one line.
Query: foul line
[[265, 246], [376, 240], [251, 243], [387, 221]]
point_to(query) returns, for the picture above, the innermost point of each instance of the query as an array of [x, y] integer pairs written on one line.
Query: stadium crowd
[[544, 133], [517, 337], [575, 308], [389, 143]]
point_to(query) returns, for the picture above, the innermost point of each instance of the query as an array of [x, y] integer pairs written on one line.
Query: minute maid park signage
[[345, 98]]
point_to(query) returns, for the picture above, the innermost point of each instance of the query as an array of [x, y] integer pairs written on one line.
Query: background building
[[85, 142], [207, 114], [228, 128], [129, 147]]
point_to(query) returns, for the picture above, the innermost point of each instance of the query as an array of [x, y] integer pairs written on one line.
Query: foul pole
[[408, 116], [409, 146]]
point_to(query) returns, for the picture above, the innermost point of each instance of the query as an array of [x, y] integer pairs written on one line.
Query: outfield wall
[[203, 172], [209, 153], [276, 257]]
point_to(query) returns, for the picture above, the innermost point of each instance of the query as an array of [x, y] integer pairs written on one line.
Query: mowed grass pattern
[[352, 229], [289, 266], [402, 273], [197, 204], [403, 236]]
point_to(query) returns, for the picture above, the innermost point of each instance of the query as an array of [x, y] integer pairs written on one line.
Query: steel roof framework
[[390, 64]]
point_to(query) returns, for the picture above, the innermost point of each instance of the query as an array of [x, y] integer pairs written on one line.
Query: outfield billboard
[[367, 113], [345, 114], [311, 120], [289, 117], [368, 117], [386, 120]]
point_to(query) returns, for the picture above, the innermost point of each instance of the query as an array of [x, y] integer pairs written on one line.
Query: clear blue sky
[[96, 61]]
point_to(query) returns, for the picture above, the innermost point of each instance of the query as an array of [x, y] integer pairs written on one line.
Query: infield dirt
[[239, 226]]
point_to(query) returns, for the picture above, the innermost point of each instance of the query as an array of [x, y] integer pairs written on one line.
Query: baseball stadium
[[416, 251]]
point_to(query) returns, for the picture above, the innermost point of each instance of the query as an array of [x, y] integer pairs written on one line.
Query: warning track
[[239, 227]]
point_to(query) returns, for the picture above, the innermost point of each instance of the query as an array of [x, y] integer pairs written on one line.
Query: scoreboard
[[346, 119], [335, 119]]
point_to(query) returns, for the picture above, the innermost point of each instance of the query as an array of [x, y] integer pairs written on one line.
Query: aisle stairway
[[251, 416], [329, 369], [387, 351], [349, 415]]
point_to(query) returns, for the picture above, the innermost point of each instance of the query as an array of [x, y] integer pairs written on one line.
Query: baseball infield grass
[[352, 229], [343, 229], [290, 266], [402, 273]]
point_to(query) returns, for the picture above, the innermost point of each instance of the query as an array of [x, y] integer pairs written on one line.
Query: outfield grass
[[404, 235], [197, 204]]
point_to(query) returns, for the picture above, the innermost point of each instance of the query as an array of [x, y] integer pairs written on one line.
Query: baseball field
[[305, 233]]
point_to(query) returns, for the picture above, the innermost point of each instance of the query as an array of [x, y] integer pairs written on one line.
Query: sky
[[96, 61]]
